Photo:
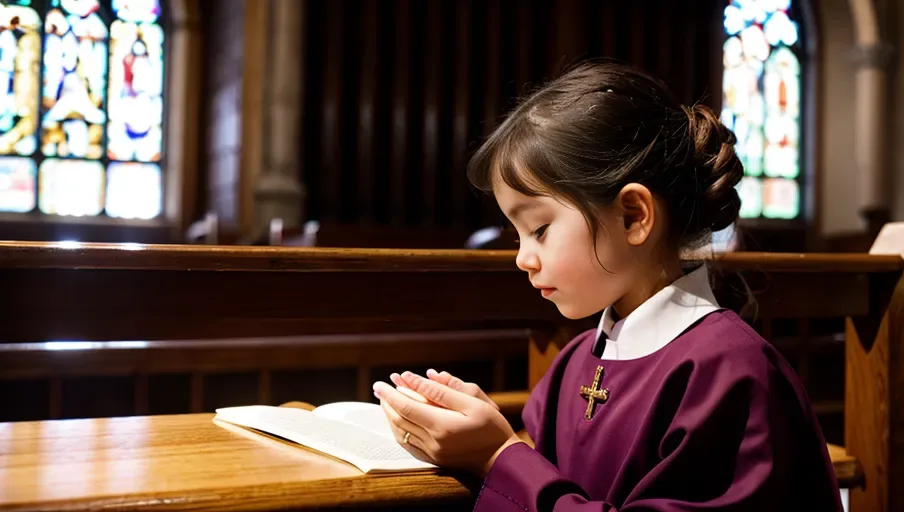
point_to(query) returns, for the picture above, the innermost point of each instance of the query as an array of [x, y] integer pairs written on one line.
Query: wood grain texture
[[102, 305], [848, 469], [189, 462], [874, 404], [133, 292], [410, 173], [37, 360], [70, 255]]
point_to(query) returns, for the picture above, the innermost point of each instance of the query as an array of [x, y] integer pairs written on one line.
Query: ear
[[638, 211]]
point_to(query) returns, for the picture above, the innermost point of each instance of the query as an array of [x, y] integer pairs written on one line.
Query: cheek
[[574, 261], [590, 280]]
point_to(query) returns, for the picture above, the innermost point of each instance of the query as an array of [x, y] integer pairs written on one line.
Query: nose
[[527, 260]]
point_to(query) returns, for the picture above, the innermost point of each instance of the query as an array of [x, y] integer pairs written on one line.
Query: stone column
[[871, 62], [871, 58], [278, 192]]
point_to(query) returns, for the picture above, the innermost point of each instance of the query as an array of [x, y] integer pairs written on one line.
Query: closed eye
[[540, 231]]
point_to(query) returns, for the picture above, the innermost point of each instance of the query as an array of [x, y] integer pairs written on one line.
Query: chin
[[571, 312]]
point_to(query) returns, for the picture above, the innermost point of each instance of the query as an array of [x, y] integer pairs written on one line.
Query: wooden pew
[[71, 291], [54, 379], [110, 293]]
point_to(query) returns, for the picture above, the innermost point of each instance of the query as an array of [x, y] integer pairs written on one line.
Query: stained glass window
[[81, 107], [761, 103]]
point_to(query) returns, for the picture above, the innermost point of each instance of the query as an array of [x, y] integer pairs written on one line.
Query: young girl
[[672, 403]]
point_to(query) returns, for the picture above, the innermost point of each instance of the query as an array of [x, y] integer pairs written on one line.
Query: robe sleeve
[[735, 436]]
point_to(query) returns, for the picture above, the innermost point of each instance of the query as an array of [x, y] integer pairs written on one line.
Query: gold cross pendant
[[594, 393]]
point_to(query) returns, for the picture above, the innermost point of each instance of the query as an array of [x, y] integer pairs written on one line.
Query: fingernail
[[378, 395], [407, 375], [431, 370]]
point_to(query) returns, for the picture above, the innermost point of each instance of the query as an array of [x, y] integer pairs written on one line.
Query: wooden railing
[[180, 376], [113, 293]]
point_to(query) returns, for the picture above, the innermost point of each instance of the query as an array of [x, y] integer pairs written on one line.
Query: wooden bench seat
[[70, 291]]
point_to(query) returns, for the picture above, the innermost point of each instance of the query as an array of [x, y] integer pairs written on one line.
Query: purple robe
[[713, 420]]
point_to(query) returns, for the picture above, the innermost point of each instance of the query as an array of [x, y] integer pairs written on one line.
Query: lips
[[545, 291]]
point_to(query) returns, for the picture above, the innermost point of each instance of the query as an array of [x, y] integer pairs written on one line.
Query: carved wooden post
[[874, 396]]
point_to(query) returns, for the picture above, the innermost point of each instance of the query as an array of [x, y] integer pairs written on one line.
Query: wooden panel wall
[[219, 173], [398, 94]]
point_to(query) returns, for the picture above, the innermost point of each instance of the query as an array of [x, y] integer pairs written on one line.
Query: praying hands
[[458, 428]]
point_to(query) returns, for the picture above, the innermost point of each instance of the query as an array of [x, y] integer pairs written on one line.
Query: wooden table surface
[[190, 462]]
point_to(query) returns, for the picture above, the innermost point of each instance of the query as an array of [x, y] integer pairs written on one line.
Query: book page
[[890, 239], [363, 448], [362, 414]]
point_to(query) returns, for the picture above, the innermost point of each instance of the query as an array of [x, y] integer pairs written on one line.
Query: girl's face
[[560, 256]]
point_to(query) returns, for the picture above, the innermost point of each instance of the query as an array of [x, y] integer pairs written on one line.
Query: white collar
[[660, 319]]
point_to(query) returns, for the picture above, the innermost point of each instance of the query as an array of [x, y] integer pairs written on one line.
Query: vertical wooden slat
[[499, 374], [803, 351], [638, 36], [364, 387], [523, 47], [332, 123], [411, 164], [311, 64], [263, 387], [713, 66], [55, 398], [689, 23], [608, 29], [461, 108], [140, 398], [432, 108], [370, 76], [401, 109], [493, 91], [571, 34], [664, 34], [196, 393]]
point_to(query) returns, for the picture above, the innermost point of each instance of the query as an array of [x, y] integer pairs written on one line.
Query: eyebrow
[[520, 208]]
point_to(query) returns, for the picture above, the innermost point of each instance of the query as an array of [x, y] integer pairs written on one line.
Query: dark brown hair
[[603, 125]]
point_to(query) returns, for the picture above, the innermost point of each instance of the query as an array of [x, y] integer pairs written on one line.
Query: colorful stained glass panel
[[71, 187], [751, 192], [75, 70], [20, 55], [141, 11], [135, 131], [17, 184], [81, 81], [781, 198], [781, 84], [762, 102], [134, 191]]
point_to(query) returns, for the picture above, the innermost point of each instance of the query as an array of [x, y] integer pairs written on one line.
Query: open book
[[356, 432]]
